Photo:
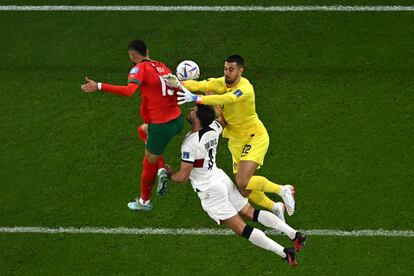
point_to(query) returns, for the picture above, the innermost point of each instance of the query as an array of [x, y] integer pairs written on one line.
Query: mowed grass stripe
[[335, 8], [199, 231]]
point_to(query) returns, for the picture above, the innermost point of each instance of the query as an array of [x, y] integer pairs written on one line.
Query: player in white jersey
[[219, 197]]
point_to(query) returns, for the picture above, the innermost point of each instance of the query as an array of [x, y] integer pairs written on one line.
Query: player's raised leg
[[286, 192], [270, 220], [244, 172], [259, 238], [262, 200]]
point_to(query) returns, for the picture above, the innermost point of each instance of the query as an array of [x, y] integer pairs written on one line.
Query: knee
[[247, 212], [242, 184], [144, 128], [242, 181]]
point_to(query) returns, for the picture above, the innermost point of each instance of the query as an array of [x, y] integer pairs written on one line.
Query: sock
[[272, 221], [276, 207], [260, 183], [142, 134], [146, 202], [258, 238], [261, 199], [160, 162], [148, 175]]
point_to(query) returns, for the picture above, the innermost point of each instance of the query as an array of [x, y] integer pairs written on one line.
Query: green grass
[[209, 3], [335, 91], [186, 255]]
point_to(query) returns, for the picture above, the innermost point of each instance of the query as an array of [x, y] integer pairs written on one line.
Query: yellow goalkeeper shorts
[[252, 148]]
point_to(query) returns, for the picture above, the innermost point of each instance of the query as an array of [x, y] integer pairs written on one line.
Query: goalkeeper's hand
[[185, 96], [172, 80]]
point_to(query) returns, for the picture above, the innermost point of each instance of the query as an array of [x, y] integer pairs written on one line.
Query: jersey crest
[[134, 70], [186, 155], [238, 93]]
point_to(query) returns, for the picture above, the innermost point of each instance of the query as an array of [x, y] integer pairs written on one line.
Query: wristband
[[198, 99], [99, 85]]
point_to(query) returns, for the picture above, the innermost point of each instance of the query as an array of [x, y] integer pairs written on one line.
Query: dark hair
[[205, 114], [237, 59], [138, 46]]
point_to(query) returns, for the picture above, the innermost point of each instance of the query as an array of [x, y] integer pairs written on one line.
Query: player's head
[[233, 69], [201, 114], [137, 51]]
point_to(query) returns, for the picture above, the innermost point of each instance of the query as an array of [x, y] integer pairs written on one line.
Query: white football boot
[[138, 206], [287, 193]]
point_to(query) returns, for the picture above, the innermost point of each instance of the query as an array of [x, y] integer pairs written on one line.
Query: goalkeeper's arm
[[186, 97], [218, 99], [211, 85]]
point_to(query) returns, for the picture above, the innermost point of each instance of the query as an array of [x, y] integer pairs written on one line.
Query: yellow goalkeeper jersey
[[238, 104]]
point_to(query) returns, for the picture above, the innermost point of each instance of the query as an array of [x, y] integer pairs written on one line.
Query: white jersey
[[200, 148]]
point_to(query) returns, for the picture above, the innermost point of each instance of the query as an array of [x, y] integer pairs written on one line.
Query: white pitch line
[[336, 8], [198, 231]]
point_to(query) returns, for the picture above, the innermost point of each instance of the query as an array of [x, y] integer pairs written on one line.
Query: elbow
[[129, 93]]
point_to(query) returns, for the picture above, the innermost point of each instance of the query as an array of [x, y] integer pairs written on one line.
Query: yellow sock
[[260, 183], [261, 199]]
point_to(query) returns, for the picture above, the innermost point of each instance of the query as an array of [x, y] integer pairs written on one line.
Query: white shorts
[[222, 200]]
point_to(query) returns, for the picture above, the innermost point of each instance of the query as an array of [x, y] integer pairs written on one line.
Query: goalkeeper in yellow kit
[[248, 138]]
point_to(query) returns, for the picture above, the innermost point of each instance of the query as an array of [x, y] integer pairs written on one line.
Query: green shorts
[[159, 135]]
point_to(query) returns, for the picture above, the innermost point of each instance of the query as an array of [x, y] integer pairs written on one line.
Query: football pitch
[[335, 91]]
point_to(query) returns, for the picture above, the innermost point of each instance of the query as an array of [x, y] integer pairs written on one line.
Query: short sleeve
[[217, 126], [136, 75], [188, 152]]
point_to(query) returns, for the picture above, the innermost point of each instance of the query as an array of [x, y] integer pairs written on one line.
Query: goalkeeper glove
[[172, 80], [186, 96]]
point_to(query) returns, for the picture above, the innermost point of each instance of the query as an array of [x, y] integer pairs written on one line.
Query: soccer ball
[[187, 70]]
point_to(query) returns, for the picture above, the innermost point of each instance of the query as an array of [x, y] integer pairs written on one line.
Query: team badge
[[186, 155], [238, 93], [134, 70]]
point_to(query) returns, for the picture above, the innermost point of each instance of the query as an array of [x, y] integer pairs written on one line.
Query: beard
[[228, 81]]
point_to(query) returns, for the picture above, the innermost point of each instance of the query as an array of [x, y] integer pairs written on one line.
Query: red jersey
[[159, 101]]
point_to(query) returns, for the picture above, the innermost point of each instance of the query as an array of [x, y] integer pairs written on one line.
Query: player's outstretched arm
[[93, 86], [182, 175], [186, 97], [89, 86]]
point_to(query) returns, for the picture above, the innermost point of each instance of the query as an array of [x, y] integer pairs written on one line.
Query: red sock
[[160, 162], [148, 175], [142, 134]]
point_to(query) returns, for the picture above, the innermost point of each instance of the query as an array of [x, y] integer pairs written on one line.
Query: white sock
[[146, 202], [276, 207], [260, 239], [272, 221], [160, 170]]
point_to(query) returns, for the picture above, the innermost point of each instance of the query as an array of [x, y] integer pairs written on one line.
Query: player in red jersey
[[159, 111]]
